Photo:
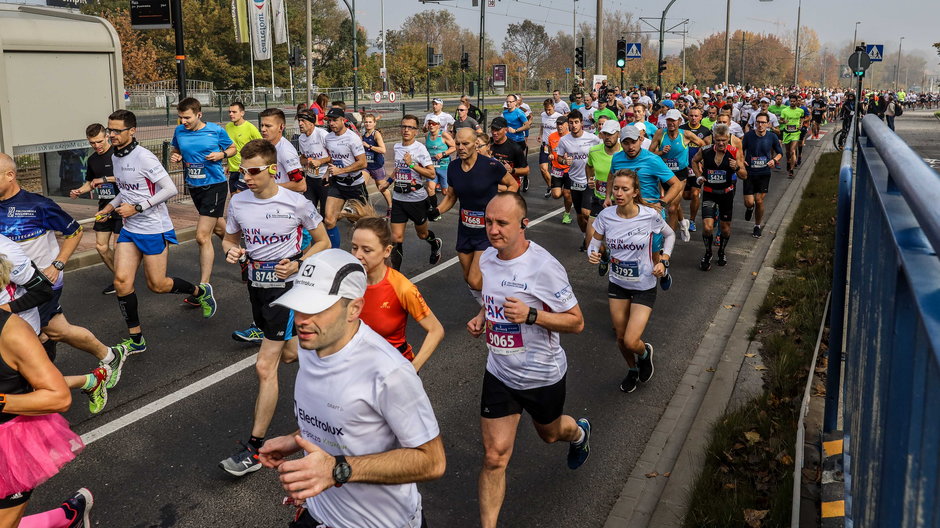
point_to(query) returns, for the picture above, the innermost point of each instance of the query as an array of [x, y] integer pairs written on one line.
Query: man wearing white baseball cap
[[437, 109], [366, 425], [672, 145]]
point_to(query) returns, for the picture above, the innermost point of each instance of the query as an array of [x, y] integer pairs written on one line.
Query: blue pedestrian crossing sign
[[875, 52], [634, 50], [567, 71]]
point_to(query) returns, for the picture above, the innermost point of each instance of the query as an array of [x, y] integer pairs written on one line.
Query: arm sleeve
[[669, 236], [38, 289], [165, 189]]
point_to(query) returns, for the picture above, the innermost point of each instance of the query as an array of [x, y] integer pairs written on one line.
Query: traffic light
[[294, 59], [662, 66], [579, 57], [465, 62], [430, 57], [621, 53]]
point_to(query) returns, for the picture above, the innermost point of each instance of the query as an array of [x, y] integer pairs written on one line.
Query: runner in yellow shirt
[[241, 132]]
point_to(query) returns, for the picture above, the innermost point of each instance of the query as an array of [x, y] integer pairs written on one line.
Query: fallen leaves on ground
[[752, 437], [652, 474], [753, 518]]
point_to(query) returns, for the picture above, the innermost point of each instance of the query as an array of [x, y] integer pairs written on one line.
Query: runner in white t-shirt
[[437, 109], [367, 428], [265, 228], [414, 167], [527, 303], [344, 172], [549, 125], [572, 150], [627, 231], [143, 189], [289, 173], [313, 158]]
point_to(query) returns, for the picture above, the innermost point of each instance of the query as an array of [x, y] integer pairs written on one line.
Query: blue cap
[[668, 103]]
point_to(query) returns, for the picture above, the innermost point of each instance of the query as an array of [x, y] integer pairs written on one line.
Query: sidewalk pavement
[[660, 485]]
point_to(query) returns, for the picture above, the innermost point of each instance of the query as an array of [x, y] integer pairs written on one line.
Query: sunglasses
[[116, 130], [254, 171], [409, 127]]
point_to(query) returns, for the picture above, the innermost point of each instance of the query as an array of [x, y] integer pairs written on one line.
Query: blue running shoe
[[78, 509], [692, 227], [252, 334], [578, 453], [665, 282]]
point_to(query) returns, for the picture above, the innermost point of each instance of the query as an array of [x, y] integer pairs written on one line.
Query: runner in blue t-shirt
[[517, 120], [203, 147], [653, 173], [762, 152]]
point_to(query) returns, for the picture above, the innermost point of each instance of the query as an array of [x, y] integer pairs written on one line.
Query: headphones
[[522, 224]]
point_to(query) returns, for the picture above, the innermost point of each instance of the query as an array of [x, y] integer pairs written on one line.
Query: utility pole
[[355, 44], [684, 31], [480, 64], [599, 40], [662, 38], [727, 41], [180, 52], [741, 77], [309, 52], [796, 57], [897, 69], [384, 77]]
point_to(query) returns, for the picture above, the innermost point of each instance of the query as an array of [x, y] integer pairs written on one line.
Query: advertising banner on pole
[[499, 75], [279, 8], [260, 29], [240, 21]]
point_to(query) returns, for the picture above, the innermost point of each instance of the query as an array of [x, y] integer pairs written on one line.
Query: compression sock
[[49, 347], [431, 238], [398, 254], [709, 240], [256, 442], [55, 518], [128, 304], [724, 242], [333, 234], [184, 287], [432, 201]]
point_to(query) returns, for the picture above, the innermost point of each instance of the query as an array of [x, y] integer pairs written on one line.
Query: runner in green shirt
[[598, 170], [791, 118], [241, 132], [777, 107]]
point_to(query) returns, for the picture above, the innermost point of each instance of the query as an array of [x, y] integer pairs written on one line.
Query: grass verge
[[747, 479]]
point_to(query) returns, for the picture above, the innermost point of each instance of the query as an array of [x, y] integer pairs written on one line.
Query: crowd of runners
[[623, 163]]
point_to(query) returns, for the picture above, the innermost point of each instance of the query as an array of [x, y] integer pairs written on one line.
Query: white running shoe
[[684, 230]]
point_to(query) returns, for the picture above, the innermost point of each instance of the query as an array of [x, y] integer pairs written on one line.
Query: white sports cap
[[610, 127], [674, 114], [323, 279]]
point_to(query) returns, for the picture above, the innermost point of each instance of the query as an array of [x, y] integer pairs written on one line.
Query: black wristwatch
[[58, 264], [139, 208], [533, 315], [665, 263], [341, 471]]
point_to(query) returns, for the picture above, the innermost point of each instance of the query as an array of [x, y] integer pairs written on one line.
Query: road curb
[[705, 389], [91, 257]]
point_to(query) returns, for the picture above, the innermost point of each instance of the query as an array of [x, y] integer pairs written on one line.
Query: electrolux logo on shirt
[[326, 427]]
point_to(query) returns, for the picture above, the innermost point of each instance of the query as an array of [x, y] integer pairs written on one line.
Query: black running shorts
[[756, 184], [718, 205], [644, 297], [402, 212], [277, 322], [544, 404], [348, 192], [210, 199]]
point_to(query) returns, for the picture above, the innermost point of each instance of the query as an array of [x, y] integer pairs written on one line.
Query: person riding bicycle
[[847, 111]]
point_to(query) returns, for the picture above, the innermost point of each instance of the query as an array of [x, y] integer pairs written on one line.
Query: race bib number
[[578, 186], [504, 339], [262, 275], [628, 270], [370, 156], [717, 176], [557, 173], [600, 187], [758, 162], [195, 171], [471, 219], [107, 191], [792, 128], [672, 163]]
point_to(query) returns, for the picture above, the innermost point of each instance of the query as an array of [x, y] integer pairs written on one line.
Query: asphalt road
[[919, 129], [161, 470]]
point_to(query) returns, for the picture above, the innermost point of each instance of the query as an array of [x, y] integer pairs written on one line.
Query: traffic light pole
[[177, 10], [480, 58], [662, 38]]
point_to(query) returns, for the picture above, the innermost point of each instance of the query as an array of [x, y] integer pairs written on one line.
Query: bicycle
[[838, 139]]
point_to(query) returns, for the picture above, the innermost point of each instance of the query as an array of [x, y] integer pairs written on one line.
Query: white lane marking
[[229, 371], [453, 260]]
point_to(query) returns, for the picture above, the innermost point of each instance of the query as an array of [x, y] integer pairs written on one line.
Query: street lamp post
[[727, 42], [897, 70], [855, 36], [662, 38], [796, 56], [355, 45]]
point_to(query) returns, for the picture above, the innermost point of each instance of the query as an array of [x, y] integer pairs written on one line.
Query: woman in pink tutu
[[35, 440]]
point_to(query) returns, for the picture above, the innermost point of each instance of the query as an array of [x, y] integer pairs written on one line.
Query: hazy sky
[[833, 20]]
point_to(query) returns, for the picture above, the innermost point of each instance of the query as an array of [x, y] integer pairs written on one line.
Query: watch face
[[341, 472]]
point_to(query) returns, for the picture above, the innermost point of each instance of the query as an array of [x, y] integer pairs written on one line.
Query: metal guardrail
[[891, 390]]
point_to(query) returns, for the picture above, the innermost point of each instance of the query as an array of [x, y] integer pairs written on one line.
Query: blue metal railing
[[891, 338]]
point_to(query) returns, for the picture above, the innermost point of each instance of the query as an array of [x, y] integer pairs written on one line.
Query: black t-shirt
[[509, 152], [474, 189], [702, 132], [819, 108], [102, 166]]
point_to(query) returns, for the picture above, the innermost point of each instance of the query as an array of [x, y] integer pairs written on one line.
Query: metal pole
[[574, 36], [855, 35], [796, 56], [662, 32], [355, 43], [309, 53], [480, 57], [290, 69], [385, 77], [743, 37], [599, 40], [684, 31], [463, 75], [428, 78], [180, 52], [270, 9], [897, 70], [727, 41], [251, 55]]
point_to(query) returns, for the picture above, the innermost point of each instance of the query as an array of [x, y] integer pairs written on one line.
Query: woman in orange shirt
[[390, 296]]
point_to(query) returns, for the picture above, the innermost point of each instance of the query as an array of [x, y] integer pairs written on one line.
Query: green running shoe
[[98, 395], [566, 218], [207, 301], [131, 348], [116, 365]]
